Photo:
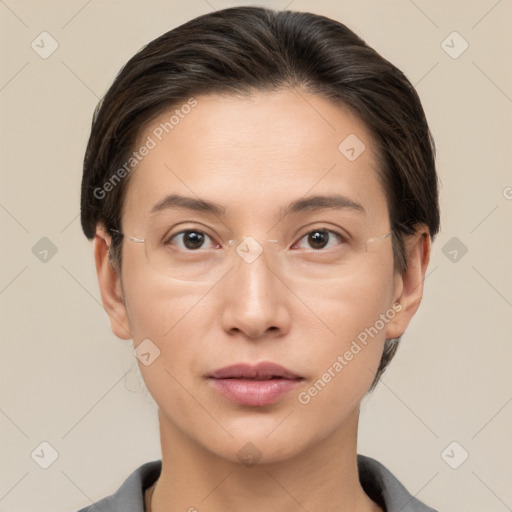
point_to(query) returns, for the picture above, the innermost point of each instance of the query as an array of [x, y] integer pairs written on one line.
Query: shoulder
[[385, 489], [130, 496]]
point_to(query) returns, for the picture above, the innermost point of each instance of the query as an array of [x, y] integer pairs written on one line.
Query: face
[[319, 303]]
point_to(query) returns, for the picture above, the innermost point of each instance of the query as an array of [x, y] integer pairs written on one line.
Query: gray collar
[[377, 481]]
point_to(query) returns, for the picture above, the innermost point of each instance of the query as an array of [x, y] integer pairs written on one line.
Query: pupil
[[193, 239], [319, 238]]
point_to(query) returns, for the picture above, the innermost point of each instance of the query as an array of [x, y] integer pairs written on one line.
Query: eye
[[321, 239], [189, 239]]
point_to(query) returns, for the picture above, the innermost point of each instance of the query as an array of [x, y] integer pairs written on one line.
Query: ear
[[109, 281], [409, 284]]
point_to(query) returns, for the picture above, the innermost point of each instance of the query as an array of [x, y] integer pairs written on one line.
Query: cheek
[[356, 310], [355, 301], [155, 304], [171, 315]]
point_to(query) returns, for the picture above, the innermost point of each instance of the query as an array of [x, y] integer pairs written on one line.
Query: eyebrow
[[311, 203]]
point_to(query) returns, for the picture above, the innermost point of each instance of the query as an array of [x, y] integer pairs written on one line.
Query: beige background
[[66, 380]]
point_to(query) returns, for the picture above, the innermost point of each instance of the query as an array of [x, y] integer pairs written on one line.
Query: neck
[[321, 477]]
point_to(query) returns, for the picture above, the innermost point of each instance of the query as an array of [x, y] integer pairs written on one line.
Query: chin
[[252, 450], [267, 442]]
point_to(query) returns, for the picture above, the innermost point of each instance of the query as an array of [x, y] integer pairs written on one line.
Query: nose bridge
[[253, 299], [253, 264], [249, 249]]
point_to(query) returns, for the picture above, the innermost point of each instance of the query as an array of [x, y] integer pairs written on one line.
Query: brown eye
[[318, 239], [189, 239], [321, 239]]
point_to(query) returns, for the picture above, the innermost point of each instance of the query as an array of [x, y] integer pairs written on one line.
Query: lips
[[259, 385], [261, 371]]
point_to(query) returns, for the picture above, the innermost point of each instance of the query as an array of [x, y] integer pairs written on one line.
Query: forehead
[[255, 154]]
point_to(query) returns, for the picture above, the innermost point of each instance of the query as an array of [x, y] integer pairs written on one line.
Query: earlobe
[[409, 284], [109, 282]]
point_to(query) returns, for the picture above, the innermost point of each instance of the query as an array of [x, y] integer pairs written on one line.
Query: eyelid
[[194, 226]]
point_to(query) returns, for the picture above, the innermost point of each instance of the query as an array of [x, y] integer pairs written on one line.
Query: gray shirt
[[377, 481]]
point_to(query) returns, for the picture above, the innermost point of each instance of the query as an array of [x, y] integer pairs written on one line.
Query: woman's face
[[318, 302]]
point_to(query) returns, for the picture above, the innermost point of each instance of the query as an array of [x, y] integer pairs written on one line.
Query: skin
[[254, 155]]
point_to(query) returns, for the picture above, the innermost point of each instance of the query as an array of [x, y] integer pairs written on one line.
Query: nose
[[254, 299]]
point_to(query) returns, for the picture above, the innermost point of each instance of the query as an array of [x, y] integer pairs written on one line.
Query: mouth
[[259, 385]]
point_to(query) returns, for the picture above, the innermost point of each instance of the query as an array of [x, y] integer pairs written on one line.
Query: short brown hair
[[245, 49]]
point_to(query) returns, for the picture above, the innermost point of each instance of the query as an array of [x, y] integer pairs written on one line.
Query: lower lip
[[254, 392]]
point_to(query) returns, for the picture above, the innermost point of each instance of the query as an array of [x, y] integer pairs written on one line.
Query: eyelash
[[342, 238]]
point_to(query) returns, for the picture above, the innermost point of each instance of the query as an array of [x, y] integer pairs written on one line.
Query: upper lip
[[260, 371]]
